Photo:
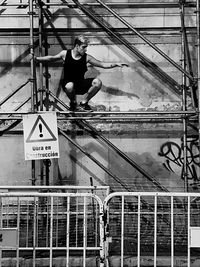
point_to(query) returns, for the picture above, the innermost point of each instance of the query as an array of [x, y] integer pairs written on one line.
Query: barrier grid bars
[[198, 65], [12, 204], [138, 240], [172, 231], [155, 230], [67, 235], [189, 214], [18, 225], [185, 199]]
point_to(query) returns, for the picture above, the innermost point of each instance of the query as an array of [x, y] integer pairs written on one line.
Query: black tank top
[[74, 70]]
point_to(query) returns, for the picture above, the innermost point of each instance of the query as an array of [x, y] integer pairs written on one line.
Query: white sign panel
[[8, 237], [40, 136], [195, 237]]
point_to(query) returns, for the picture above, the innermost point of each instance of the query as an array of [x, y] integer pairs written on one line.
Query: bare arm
[[49, 58], [105, 65]]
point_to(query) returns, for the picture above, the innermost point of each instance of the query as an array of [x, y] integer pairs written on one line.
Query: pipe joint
[[31, 13]]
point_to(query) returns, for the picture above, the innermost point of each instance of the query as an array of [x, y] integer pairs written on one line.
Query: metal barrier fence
[[153, 229], [78, 229], [100, 191], [51, 229]]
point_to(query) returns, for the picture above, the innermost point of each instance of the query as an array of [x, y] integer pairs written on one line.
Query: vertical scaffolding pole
[[198, 67], [33, 78], [33, 86], [43, 43], [47, 76], [40, 25], [184, 104]]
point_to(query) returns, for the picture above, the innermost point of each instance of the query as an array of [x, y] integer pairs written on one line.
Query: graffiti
[[174, 154]]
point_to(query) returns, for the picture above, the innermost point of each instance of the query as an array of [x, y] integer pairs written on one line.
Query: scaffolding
[[188, 88]]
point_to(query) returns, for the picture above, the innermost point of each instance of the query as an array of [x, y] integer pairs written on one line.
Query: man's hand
[[33, 57]]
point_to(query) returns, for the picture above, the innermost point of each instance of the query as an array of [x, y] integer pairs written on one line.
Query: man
[[75, 65]]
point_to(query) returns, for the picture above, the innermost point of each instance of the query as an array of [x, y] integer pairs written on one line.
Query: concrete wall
[[155, 147]]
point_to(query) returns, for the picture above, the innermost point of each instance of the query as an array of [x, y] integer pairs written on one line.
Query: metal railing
[[60, 229], [140, 235], [80, 229]]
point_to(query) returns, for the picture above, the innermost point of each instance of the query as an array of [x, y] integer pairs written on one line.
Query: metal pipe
[[33, 81], [14, 92], [103, 117], [46, 162], [192, 85], [46, 73], [185, 154], [32, 54], [9, 117], [40, 25], [144, 60], [124, 119], [146, 40], [123, 184], [188, 113], [114, 4], [126, 158], [55, 187], [86, 125], [2, 2], [119, 119], [198, 63], [174, 112], [185, 56], [185, 39]]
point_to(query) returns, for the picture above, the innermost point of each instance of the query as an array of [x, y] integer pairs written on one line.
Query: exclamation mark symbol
[[40, 128]]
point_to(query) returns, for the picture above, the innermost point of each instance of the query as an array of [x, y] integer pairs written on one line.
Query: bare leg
[[69, 90], [96, 86]]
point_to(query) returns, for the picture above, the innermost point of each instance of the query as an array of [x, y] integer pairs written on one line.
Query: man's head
[[81, 43], [81, 39]]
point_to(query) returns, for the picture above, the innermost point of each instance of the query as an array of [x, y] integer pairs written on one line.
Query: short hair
[[81, 39]]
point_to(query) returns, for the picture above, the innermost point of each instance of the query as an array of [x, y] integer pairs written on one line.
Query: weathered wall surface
[[156, 148]]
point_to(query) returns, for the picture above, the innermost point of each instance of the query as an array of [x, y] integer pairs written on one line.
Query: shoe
[[85, 106], [72, 106]]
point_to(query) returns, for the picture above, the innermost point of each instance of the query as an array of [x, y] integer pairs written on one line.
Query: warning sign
[[40, 136]]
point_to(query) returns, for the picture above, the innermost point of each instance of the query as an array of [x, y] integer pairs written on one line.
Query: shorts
[[82, 86]]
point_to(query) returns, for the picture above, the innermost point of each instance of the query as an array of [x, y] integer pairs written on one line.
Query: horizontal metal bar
[[14, 92], [48, 194], [157, 49], [153, 31], [113, 4], [48, 248], [123, 118], [177, 112], [70, 187], [119, 119], [130, 112], [129, 5], [153, 194]]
